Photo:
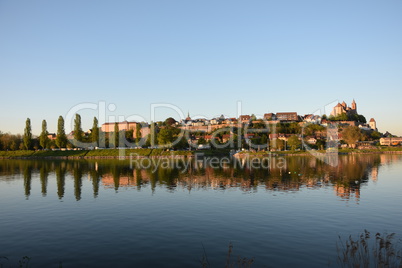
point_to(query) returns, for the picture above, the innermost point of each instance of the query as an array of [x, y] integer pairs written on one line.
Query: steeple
[[188, 116], [354, 105], [344, 104]]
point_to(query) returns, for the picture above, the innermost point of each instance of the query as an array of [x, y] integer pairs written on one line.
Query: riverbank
[[101, 153], [160, 153], [378, 150]]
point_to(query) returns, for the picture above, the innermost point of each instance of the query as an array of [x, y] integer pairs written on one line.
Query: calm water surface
[[104, 213]]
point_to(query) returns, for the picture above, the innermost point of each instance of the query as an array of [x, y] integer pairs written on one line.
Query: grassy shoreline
[[379, 150], [87, 154], [160, 153]]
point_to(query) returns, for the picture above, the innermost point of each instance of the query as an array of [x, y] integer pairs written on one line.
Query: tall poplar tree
[[61, 138], [153, 134], [95, 132], [43, 138], [138, 132], [27, 135], [116, 135], [77, 128]]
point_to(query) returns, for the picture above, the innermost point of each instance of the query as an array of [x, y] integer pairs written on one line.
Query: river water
[[125, 213]]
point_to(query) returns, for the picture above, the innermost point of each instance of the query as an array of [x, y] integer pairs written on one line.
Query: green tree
[[375, 135], [294, 128], [361, 118], [263, 139], [10, 142], [170, 121], [13, 145], [61, 138], [166, 136], [320, 144], [294, 142], [95, 132], [27, 135], [35, 144], [138, 134], [103, 139], [77, 128], [129, 134], [340, 117], [152, 138], [181, 138], [147, 140], [201, 141], [43, 138], [277, 144], [351, 135], [116, 135]]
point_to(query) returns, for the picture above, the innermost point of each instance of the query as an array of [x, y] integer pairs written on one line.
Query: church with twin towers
[[342, 108]]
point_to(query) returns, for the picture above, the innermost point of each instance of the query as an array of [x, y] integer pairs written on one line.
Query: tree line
[[167, 133], [95, 138], [28, 142]]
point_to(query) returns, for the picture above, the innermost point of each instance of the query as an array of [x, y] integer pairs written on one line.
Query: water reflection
[[77, 174], [297, 173], [60, 172], [94, 174], [27, 180], [44, 174]]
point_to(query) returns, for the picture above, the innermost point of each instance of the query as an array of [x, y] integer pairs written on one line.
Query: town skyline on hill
[[327, 112]]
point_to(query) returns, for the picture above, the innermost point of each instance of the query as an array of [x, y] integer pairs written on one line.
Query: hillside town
[[279, 126], [343, 128]]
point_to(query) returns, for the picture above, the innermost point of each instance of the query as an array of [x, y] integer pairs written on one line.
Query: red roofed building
[[292, 116]]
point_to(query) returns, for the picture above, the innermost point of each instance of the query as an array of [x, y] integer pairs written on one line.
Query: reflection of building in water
[[109, 181], [312, 163], [390, 158], [218, 179], [374, 173], [346, 192], [300, 172], [128, 181], [383, 158]]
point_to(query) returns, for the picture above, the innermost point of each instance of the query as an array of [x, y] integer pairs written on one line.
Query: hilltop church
[[342, 108]]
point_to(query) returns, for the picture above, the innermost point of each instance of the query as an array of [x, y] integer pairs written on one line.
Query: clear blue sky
[[202, 56]]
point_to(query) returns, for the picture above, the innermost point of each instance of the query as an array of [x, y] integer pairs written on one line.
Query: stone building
[[342, 108]]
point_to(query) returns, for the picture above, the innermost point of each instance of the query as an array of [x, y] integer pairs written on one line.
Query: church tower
[[354, 106], [373, 124], [344, 105], [188, 116]]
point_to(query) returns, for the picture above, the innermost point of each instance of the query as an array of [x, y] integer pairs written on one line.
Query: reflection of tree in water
[[77, 174], [349, 176], [138, 178], [43, 175], [60, 171], [299, 172], [27, 180], [168, 176], [95, 177], [116, 177]]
